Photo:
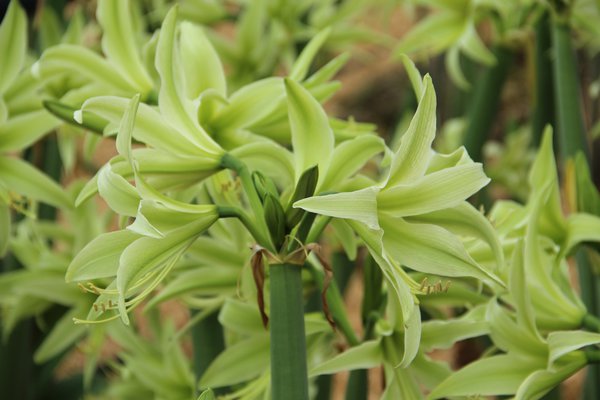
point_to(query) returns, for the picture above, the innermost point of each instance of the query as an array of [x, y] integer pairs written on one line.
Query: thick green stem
[[543, 111], [571, 137], [208, 342], [485, 100], [571, 130], [289, 376], [591, 323]]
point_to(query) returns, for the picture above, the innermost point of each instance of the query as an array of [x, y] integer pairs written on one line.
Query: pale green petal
[[396, 278], [327, 72], [150, 127], [13, 44], [581, 228], [512, 337], [120, 195], [365, 355], [250, 105], [125, 133], [100, 257], [22, 130], [64, 334], [344, 233], [274, 160], [443, 334], [174, 106], [304, 60], [146, 254], [348, 158], [416, 80], [541, 382], [312, 137], [497, 375], [238, 363], [470, 43], [206, 282], [70, 59], [411, 159], [443, 189], [433, 34], [412, 338], [201, 64], [240, 317], [465, 219], [452, 61], [430, 249], [24, 179], [360, 206], [3, 112], [119, 44], [156, 219], [564, 342], [520, 293], [542, 175]]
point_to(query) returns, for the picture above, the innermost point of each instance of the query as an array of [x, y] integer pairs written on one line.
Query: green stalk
[[571, 138], [571, 130], [289, 376], [485, 100], [543, 112], [208, 342], [230, 162]]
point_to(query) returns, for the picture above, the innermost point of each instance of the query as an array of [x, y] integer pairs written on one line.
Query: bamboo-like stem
[[208, 342], [289, 376], [571, 137], [543, 111], [485, 100]]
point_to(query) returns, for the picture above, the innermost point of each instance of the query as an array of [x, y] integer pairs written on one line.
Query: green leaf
[[100, 257], [588, 198], [202, 67], [24, 179], [497, 375], [312, 137], [22, 130], [443, 189], [348, 158], [302, 63], [366, 355], [173, 104], [360, 205], [412, 157], [119, 44], [13, 44], [430, 249], [63, 335], [238, 363]]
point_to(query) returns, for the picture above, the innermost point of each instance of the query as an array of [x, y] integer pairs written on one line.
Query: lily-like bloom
[[406, 218]]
